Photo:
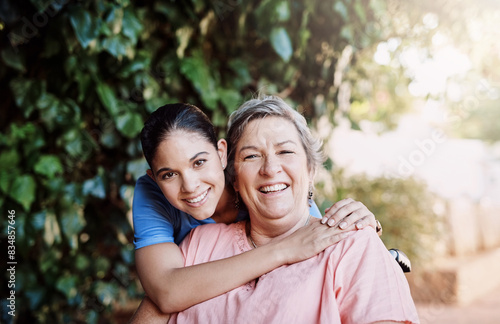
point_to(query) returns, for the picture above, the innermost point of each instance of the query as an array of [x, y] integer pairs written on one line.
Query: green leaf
[[38, 220], [195, 69], [132, 26], [49, 263], [360, 11], [219, 119], [106, 292], [85, 26], [283, 11], [23, 191], [13, 59], [6, 178], [82, 262], [129, 124], [110, 139], [137, 168], [78, 143], [101, 266], [72, 221], [26, 94], [127, 253], [67, 284], [56, 112], [341, 8], [230, 98], [49, 166], [108, 98], [347, 32], [243, 77], [115, 20], [9, 159], [116, 45], [141, 62], [281, 43], [127, 194], [94, 187], [35, 296]]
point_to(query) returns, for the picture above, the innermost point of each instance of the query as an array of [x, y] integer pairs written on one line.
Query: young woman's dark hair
[[171, 117]]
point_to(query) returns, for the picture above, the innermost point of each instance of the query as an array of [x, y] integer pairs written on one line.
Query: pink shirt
[[353, 281]]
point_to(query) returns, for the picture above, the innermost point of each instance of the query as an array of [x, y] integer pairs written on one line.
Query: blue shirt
[[157, 221]]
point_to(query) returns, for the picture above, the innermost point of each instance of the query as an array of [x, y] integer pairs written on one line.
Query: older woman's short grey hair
[[272, 106]]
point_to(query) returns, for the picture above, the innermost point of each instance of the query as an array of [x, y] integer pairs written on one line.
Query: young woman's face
[[272, 176], [188, 169]]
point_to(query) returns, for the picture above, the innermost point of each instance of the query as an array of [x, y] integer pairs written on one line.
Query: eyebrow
[[252, 147], [190, 160]]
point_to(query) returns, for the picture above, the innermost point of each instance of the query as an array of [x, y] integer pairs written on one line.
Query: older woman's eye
[[200, 162], [251, 156], [286, 152]]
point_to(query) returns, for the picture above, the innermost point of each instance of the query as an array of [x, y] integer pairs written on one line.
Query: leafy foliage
[[403, 206], [79, 79]]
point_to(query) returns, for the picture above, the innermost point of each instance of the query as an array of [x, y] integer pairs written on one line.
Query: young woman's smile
[[188, 170]]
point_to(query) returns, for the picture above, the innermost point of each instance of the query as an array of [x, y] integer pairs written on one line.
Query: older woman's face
[[272, 176]]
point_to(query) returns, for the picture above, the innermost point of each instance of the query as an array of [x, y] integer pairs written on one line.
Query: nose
[[270, 166], [190, 182]]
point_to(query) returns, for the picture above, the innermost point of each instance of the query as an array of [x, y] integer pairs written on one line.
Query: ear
[[150, 174], [222, 151]]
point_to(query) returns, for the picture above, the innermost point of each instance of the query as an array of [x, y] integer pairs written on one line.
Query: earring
[[310, 195], [223, 167]]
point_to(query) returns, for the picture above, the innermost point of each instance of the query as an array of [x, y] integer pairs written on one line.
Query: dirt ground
[[485, 310]]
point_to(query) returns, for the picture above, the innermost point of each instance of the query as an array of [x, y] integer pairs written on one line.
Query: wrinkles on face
[[271, 171]]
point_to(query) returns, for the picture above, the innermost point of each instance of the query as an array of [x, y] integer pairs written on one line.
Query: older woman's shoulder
[[357, 241], [215, 230], [212, 242]]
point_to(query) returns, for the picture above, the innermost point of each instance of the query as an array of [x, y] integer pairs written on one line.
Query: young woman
[[186, 187]]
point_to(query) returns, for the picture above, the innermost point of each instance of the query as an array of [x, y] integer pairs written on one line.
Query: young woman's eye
[[168, 175], [199, 163]]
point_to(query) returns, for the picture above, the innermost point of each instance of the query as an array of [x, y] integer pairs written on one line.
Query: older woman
[[273, 159]]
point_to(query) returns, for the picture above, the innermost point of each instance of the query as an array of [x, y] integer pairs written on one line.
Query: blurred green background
[[79, 78]]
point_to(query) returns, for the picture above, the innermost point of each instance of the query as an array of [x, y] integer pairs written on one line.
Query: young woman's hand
[[306, 242], [350, 214]]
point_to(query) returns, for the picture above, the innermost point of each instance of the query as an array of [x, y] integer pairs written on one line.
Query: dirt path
[[485, 310]]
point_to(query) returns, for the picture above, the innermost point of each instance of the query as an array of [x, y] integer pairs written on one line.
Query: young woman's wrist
[[277, 253]]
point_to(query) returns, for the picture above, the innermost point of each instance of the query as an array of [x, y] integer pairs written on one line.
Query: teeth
[[274, 188], [197, 199]]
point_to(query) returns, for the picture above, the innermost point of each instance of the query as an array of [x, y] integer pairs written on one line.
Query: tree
[[80, 77]]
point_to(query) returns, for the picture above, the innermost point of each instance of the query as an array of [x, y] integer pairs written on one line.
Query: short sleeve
[[314, 210], [369, 285], [153, 216]]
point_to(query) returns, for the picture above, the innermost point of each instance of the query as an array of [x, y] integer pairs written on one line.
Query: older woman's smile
[[273, 188]]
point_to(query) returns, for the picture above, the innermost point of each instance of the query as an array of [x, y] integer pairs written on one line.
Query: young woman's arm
[[148, 313], [174, 287]]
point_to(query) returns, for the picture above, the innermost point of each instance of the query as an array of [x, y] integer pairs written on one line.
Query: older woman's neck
[[226, 211], [265, 231]]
